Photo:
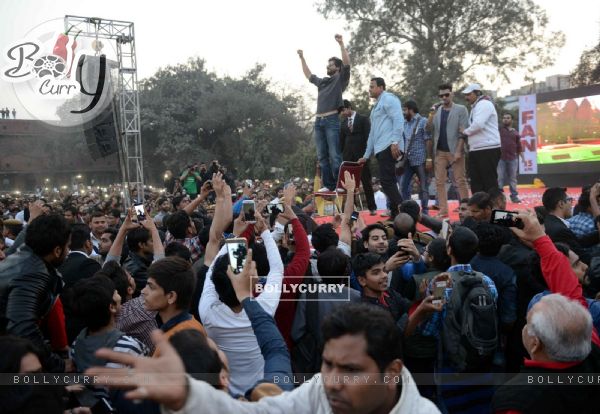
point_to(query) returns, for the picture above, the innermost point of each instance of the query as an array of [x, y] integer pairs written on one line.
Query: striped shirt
[[137, 322], [125, 344]]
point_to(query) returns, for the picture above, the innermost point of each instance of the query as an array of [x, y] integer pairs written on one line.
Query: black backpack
[[470, 328]]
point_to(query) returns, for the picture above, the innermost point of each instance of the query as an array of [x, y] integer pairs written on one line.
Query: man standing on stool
[[385, 139], [327, 122], [483, 139], [353, 140], [511, 149]]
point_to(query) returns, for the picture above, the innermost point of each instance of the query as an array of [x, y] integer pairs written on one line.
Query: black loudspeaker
[[101, 133], [101, 136]]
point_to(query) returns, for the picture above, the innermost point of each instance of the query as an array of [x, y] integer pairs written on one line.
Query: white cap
[[472, 87]]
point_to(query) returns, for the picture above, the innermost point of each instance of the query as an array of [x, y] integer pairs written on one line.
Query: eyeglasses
[[444, 95]]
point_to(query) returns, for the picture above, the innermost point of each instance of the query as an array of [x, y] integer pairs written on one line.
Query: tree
[[190, 115], [430, 42], [587, 71]]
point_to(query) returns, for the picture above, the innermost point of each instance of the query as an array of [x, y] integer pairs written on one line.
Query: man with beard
[[329, 102], [30, 284], [416, 139]]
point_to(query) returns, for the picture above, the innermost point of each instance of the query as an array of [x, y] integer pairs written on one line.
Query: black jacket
[[138, 267], [77, 267], [559, 232], [28, 289], [354, 143], [578, 394]]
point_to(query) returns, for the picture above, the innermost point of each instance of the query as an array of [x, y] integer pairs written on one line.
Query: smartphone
[[249, 210], [506, 219], [140, 211], [237, 251], [438, 291], [354, 216], [445, 227], [274, 208], [290, 232]]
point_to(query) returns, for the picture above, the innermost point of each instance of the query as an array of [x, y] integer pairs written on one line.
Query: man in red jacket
[[559, 337], [295, 270]]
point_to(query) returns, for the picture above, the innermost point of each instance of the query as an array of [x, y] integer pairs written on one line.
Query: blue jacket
[[387, 125]]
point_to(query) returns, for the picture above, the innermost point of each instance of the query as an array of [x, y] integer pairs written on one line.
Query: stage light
[[78, 176]]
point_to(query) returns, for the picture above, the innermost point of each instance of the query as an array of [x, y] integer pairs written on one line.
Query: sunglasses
[[444, 95]]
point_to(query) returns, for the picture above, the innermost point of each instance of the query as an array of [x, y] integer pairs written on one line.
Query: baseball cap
[[472, 87]]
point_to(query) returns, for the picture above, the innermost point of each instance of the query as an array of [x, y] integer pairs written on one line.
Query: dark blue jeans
[[405, 189], [327, 140]]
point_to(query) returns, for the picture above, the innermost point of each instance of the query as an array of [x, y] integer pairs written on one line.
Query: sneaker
[[515, 199], [373, 212], [324, 190], [340, 190], [387, 213]]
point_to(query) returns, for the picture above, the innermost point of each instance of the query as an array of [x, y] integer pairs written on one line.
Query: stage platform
[[530, 197]]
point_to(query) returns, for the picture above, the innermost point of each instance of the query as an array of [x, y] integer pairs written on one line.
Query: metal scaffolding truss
[[130, 139]]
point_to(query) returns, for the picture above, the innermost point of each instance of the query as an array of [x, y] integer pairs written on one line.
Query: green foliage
[[429, 42], [587, 71], [189, 115]]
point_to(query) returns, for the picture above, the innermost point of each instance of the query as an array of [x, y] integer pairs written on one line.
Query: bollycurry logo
[[60, 77]]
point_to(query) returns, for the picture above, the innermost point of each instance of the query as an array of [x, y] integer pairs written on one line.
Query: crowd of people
[[224, 294]]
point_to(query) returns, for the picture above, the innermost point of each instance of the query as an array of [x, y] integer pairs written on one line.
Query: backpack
[[470, 328], [306, 354]]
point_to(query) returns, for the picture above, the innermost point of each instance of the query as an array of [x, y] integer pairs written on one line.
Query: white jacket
[[483, 130], [309, 398]]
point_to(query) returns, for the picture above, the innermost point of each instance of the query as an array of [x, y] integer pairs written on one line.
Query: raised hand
[[243, 282], [218, 183], [239, 225], [339, 39], [532, 229], [128, 223], [289, 195], [349, 184], [301, 53]]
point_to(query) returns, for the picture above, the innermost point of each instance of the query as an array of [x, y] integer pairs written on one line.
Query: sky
[[232, 35]]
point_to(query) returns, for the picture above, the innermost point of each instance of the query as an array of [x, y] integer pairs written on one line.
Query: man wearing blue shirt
[[385, 139]]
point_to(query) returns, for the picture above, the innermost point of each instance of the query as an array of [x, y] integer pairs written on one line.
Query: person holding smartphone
[[190, 179]]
